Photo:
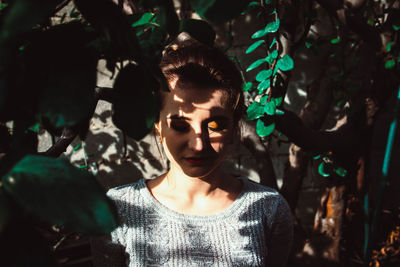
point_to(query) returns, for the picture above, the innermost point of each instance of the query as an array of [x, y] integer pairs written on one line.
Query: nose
[[196, 141]]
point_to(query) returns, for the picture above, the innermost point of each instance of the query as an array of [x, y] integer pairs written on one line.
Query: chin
[[199, 172]]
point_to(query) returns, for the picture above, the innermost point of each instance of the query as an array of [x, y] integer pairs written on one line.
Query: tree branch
[[66, 138], [354, 21]]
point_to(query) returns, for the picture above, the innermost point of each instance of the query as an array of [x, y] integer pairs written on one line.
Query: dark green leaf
[[390, 64], [64, 89], [389, 46], [254, 46], [218, 11], [396, 27], [263, 85], [264, 129], [267, 2], [108, 18], [254, 111], [341, 172], [285, 63], [270, 108], [144, 19], [168, 18], [58, 193], [4, 211], [23, 15], [264, 74], [247, 86], [335, 41], [255, 64], [198, 29], [134, 104], [272, 26]]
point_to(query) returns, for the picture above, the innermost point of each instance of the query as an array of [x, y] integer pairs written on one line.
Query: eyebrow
[[216, 117]]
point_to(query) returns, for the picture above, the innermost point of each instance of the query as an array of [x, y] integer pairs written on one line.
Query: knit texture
[[255, 230]]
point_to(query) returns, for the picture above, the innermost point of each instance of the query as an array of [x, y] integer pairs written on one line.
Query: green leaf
[[272, 43], [264, 129], [5, 211], [259, 34], [247, 86], [263, 85], [396, 27], [254, 46], [255, 64], [254, 111], [308, 44], [198, 29], [278, 101], [272, 56], [389, 46], [218, 11], [270, 108], [134, 106], [285, 63], [58, 193], [144, 19], [267, 2], [34, 128], [264, 74], [272, 26], [325, 169], [341, 171], [264, 99], [390, 64], [335, 40]]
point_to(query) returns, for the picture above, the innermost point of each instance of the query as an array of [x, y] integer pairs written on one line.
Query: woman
[[196, 214]]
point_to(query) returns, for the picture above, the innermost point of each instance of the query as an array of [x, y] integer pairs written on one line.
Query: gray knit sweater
[[256, 230]]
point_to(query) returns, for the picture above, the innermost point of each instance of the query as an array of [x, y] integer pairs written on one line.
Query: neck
[[178, 182]]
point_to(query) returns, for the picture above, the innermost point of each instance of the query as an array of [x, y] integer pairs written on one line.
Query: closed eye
[[180, 125]]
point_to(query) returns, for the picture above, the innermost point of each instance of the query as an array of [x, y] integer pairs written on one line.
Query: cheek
[[221, 142]]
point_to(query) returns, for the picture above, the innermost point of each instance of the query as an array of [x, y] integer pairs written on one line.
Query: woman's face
[[196, 126]]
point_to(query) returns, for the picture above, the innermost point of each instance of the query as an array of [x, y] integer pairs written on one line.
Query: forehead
[[187, 100]]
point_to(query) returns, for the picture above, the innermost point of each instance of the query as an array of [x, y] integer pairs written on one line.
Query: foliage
[[48, 73], [269, 86]]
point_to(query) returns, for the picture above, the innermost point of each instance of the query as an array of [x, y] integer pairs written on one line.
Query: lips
[[195, 160]]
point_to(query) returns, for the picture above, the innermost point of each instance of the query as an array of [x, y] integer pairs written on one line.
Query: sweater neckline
[[234, 208]]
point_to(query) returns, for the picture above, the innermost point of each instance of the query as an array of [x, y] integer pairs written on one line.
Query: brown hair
[[190, 61]]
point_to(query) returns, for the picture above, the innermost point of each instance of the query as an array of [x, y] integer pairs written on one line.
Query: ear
[[157, 127]]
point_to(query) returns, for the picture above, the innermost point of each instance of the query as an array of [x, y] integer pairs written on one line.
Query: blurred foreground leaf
[[58, 193], [134, 104], [198, 29], [218, 11], [21, 245], [4, 211]]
